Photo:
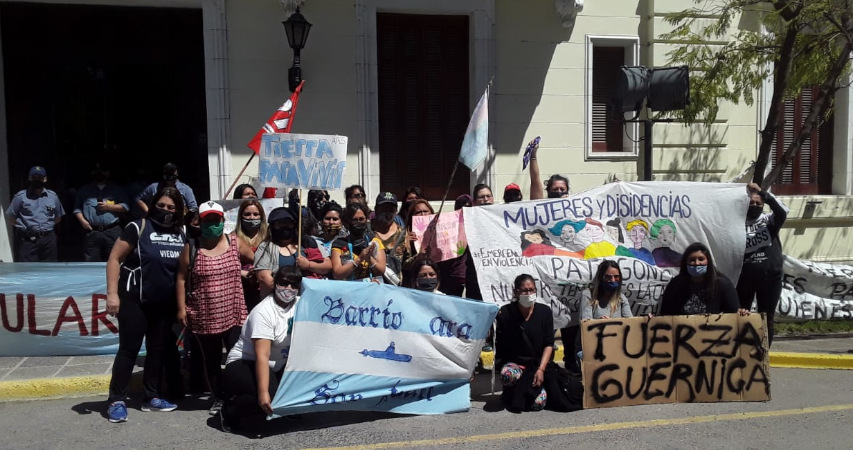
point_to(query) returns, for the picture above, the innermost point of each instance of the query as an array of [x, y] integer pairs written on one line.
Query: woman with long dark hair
[[604, 298], [699, 288], [141, 273], [359, 255]]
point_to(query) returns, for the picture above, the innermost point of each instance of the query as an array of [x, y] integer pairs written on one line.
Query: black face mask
[[358, 228], [753, 212], [36, 184], [555, 194], [162, 217], [427, 284], [282, 234]]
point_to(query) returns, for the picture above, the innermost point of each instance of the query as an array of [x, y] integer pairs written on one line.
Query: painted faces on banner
[[561, 241]]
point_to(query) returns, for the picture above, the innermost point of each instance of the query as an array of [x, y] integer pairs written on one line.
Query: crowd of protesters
[[174, 275]]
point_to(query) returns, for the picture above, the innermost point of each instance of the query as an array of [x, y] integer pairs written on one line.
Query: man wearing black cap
[[33, 214], [98, 207], [170, 179]]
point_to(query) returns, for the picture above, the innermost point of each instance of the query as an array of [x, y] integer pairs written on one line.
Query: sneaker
[[158, 404], [117, 412], [217, 406]]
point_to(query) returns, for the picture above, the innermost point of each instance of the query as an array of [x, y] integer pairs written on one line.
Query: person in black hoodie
[[761, 275], [699, 288]]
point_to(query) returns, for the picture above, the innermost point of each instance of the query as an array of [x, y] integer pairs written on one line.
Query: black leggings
[[135, 322], [241, 389], [766, 290], [207, 353]]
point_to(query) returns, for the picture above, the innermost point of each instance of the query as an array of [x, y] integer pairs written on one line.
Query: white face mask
[[285, 294], [527, 300]]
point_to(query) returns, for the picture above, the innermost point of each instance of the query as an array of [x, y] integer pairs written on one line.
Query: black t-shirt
[[509, 341]]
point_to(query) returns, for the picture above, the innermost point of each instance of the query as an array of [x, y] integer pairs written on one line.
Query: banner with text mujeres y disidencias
[[644, 226], [55, 309], [377, 347], [303, 161]]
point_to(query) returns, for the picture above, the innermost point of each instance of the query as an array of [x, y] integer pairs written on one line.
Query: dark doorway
[[123, 85], [423, 102]]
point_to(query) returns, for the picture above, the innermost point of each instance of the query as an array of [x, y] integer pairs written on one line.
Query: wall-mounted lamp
[[296, 28]]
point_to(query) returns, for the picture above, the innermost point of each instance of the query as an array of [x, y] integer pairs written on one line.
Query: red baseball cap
[[511, 187]]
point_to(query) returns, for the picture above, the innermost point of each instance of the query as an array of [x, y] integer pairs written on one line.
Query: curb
[[811, 360], [46, 388]]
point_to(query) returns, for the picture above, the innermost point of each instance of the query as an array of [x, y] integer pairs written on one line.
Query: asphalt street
[[810, 409]]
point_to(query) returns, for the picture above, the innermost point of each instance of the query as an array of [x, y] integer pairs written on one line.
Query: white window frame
[[631, 146]]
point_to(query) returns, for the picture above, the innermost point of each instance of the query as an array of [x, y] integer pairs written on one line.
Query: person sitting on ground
[[245, 191], [255, 365], [699, 288], [280, 249], [557, 186], [209, 290], [358, 256], [144, 310], [524, 342]]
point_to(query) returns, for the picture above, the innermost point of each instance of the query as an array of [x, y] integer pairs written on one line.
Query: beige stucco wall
[[539, 88]]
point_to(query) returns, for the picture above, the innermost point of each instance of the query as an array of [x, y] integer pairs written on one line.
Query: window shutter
[[810, 172], [423, 102], [607, 135]]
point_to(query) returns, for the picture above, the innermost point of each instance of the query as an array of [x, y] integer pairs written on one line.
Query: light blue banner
[[303, 161], [55, 309], [377, 347]]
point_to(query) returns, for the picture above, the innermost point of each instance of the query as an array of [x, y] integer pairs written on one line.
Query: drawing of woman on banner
[[638, 231], [614, 230], [536, 243], [567, 231], [663, 231], [599, 248]]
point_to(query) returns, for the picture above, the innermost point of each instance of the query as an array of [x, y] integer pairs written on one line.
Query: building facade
[[399, 78]]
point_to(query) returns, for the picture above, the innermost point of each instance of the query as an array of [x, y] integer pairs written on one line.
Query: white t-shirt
[[269, 321]]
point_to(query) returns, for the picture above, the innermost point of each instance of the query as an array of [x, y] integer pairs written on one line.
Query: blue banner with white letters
[[377, 347]]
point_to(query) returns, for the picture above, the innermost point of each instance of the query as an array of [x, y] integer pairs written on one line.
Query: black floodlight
[[669, 89], [632, 87]]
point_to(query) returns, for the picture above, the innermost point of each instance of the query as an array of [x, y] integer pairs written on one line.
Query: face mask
[[212, 230], [358, 228], [250, 224], [527, 300], [36, 184], [162, 217], [285, 294], [282, 234], [608, 285], [697, 271], [753, 212], [555, 194], [427, 284], [333, 228]]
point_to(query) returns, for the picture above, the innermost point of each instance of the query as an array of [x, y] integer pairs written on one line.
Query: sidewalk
[[25, 378]]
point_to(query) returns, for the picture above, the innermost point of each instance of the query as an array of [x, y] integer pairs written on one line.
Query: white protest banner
[[303, 161], [812, 290], [55, 309], [447, 238], [232, 207], [376, 347], [644, 226]]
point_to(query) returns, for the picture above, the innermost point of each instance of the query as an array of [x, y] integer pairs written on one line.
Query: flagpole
[[299, 227], [228, 192]]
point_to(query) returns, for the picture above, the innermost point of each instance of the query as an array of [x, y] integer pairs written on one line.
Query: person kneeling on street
[[256, 363]]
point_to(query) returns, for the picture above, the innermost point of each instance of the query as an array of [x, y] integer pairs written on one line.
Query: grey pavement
[[33, 368]]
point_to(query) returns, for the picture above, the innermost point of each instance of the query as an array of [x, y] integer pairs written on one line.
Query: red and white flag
[[280, 122]]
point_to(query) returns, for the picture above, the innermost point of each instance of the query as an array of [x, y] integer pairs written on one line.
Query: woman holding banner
[[358, 256], [524, 346], [255, 364], [147, 250], [699, 288], [281, 248]]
